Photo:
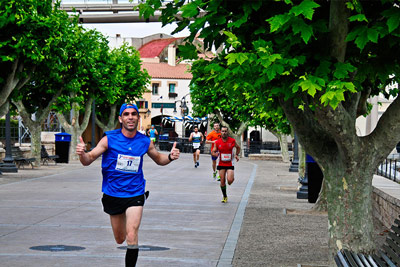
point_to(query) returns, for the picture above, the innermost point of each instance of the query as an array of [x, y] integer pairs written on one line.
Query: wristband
[[169, 157]]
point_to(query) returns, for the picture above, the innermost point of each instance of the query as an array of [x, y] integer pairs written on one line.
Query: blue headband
[[125, 106]]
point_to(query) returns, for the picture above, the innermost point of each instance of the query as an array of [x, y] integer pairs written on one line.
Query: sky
[[134, 29]]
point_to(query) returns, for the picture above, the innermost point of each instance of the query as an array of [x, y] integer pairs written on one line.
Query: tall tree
[[210, 96], [35, 99], [321, 61], [28, 30], [124, 82], [83, 79]]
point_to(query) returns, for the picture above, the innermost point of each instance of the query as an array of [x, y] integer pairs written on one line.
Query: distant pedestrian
[[225, 146], [152, 132], [123, 180], [197, 138], [212, 137], [142, 131]]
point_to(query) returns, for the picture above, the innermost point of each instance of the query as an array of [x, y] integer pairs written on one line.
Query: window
[[171, 87], [154, 88], [142, 104]]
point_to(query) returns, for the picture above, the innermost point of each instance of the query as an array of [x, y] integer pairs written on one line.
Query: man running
[[123, 181], [152, 132], [225, 146], [212, 137], [197, 138]]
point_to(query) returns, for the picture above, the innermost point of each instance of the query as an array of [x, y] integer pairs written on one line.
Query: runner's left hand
[[174, 152]]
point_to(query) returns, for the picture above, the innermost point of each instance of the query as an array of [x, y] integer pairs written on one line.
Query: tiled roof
[[155, 47], [165, 71]]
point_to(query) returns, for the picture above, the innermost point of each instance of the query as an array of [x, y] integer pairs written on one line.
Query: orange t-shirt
[[212, 136]]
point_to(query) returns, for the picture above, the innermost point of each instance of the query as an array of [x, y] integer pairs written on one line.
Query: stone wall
[[385, 207]]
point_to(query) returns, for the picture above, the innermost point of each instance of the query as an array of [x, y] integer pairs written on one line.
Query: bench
[[45, 157], [389, 254], [19, 158]]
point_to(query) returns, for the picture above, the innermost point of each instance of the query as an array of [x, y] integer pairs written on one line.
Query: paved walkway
[[184, 222]]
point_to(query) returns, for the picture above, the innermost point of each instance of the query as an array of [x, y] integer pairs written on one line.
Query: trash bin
[[63, 141], [163, 142], [315, 177]]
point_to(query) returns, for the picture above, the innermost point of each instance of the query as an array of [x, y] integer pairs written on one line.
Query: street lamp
[[184, 112]]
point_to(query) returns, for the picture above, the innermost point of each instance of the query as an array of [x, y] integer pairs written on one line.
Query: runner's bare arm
[[237, 151], [191, 137], [163, 159], [87, 158], [214, 151], [208, 140]]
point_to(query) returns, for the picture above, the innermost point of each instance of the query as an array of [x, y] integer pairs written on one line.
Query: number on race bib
[[127, 163], [226, 157]]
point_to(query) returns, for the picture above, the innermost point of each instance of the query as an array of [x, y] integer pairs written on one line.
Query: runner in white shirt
[[197, 138]]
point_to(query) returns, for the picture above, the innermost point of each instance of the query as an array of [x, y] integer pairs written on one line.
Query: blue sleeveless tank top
[[122, 164]]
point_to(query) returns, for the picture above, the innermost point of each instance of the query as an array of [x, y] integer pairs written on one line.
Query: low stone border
[[275, 157], [386, 208]]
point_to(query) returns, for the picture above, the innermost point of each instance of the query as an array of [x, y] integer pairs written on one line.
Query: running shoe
[[218, 178], [195, 165], [198, 163], [224, 199]]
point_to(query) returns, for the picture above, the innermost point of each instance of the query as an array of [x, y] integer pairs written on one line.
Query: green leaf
[[362, 38], [358, 17], [306, 31], [276, 22], [238, 23], [373, 35], [342, 70], [306, 8], [188, 51], [236, 57], [190, 10], [393, 23]]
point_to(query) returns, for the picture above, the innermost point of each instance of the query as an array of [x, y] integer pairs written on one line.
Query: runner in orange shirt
[[212, 137]]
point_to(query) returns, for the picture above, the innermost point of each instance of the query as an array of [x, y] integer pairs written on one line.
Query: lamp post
[[8, 165], [162, 117], [184, 112], [294, 166]]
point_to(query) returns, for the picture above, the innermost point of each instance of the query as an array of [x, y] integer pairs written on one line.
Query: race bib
[[226, 157], [196, 145], [127, 163]]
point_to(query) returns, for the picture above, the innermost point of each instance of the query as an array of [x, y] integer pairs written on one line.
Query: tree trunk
[[236, 135], [36, 142], [349, 202], [13, 82], [111, 122], [35, 127], [74, 128], [302, 160], [282, 139]]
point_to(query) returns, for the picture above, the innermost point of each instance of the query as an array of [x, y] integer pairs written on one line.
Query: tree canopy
[[29, 31], [125, 81], [320, 61]]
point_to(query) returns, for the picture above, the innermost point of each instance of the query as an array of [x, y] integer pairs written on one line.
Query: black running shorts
[[118, 205], [225, 167]]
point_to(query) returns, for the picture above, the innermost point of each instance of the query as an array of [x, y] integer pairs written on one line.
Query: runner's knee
[[120, 239]]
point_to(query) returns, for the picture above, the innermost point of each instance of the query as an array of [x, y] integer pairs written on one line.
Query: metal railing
[[389, 168]]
